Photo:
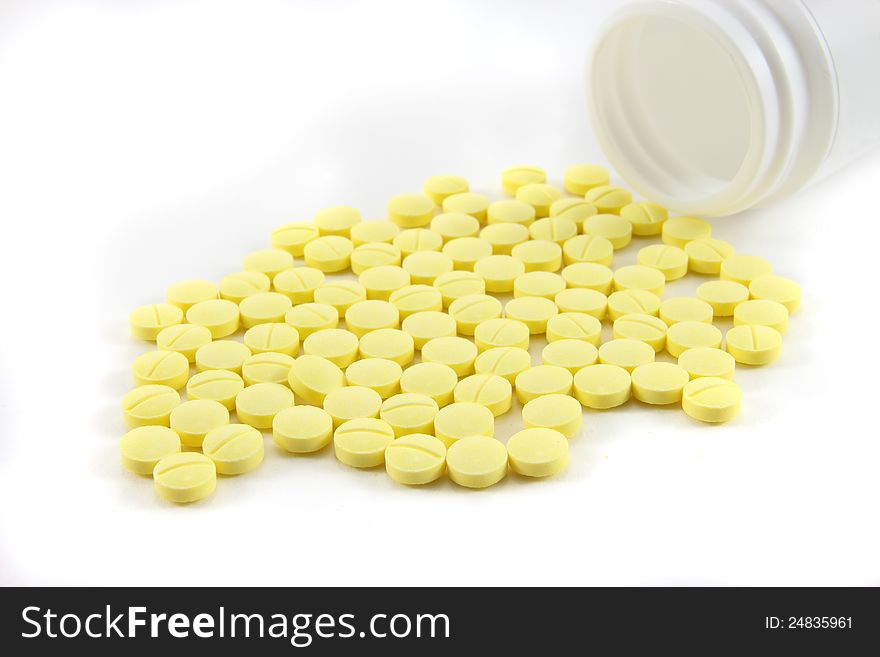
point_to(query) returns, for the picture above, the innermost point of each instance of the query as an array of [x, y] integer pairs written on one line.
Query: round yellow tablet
[[167, 368], [215, 385], [705, 255], [743, 269], [365, 316], [711, 399], [237, 286], [432, 379], [646, 218], [582, 300], [457, 353], [352, 402], [538, 255], [234, 448], [776, 288], [142, 448], [512, 178], [408, 413], [413, 240], [645, 328], [184, 339], [669, 260], [626, 353], [193, 419], [538, 284], [612, 227], [570, 354], [602, 386], [149, 405], [336, 220], [293, 237], [477, 461], [338, 346], [388, 343], [267, 367], [561, 413], [678, 231], [588, 275], [307, 318], [263, 307], [578, 179], [499, 272], [542, 380], [462, 419], [538, 452], [625, 302], [341, 294], [299, 283], [687, 335], [761, 312], [219, 316], [330, 253], [302, 429], [425, 266], [146, 322], [534, 312], [268, 261], [415, 459], [489, 390], [685, 309], [753, 344], [659, 383], [504, 236], [588, 248], [470, 203], [457, 284], [279, 337], [555, 229], [380, 374], [375, 254], [575, 326], [510, 212], [453, 225], [258, 404], [411, 210], [437, 188], [427, 325], [188, 293], [312, 378], [361, 443], [467, 251], [371, 232], [575, 210], [381, 282], [416, 299], [608, 199], [706, 361], [501, 332], [722, 296], [506, 362], [185, 477]]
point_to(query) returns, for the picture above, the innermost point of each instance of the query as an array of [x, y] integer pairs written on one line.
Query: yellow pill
[[501, 332], [312, 378], [268, 261], [659, 383], [470, 203], [506, 362], [685, 309], [510, 212], [361, 443], [761, 312], [342, 295], [504, 236], [416, 299], [307, 318], [425, 266], [237, 286], [167, 368], [187, 293], [575, 210], [776, 288], [570, 354], [626, 302], [465, 252], [578, 179], [608, 199], [722, 296], [371, 232], [687, 335], [215, 385], [743, 269], [588, 275], [389, 344], [149, 405], [366, 316], [377, 254], [469, 311], [299, 283], [613, 228], [338, 346], [184, 339], [574, 326], [381, 282], [351, 403], [437, 188], [477, 462], [678, 231], [454, 225], [670, 261], [411, 210], [534, 312], [279, 337], [302, 429], [185, 477], [539, 255], [538, 284], [645, 328], [560, 413], [142, 448], [489, 390], [415, 459], [711, 399], [258, 404], [512, 178], [193, 419], [414, 240], [293, 237], [432, 379], [337, 220], [235, 448], [499, 272], [330, 253], [146, 322], [582, 300], [588, 249], [555, 229], [602, 386], [427, 325], [262, 308], [706, 361], [540, 196], [626, 353], [705, 255], [542, 380], [646, 218], [457, 353], [538, 452], [380, 374], [457, 284], [219, 316], [462, 419], [753, 344], [409, 413], [267, 367]]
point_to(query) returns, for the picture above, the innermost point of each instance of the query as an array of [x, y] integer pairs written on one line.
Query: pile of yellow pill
[[408, 360]]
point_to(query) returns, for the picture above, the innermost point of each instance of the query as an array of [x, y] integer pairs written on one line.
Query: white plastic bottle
[[714, 106]]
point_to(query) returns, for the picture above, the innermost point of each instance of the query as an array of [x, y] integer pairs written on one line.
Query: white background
[[150, 141]]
